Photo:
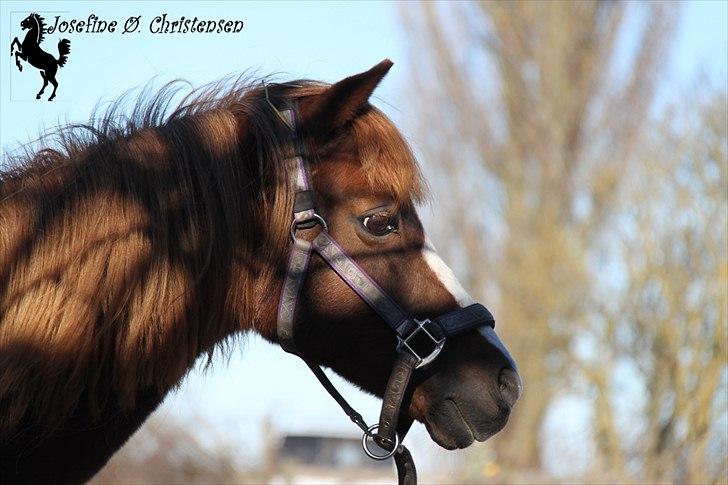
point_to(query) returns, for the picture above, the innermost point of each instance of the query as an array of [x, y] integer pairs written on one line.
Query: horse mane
[[41, 25], [134, 243]]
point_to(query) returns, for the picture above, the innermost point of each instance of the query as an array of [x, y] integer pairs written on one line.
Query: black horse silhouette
[[31, 52]]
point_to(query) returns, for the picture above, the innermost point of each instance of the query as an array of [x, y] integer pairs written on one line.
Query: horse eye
[[380, 224]]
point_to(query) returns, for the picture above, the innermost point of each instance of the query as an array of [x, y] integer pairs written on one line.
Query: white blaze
[[445, 275]]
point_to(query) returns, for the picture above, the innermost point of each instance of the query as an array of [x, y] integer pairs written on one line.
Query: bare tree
[[539, 108], [673, 318]]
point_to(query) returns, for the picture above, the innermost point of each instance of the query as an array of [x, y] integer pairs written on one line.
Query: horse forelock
[[130, 245]]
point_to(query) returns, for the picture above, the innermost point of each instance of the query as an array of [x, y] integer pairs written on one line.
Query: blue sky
[[321, 40]]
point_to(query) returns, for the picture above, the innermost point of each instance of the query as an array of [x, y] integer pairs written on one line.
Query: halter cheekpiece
[[420, 341]]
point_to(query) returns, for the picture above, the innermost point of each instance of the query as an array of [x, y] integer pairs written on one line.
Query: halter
[[434, 331]]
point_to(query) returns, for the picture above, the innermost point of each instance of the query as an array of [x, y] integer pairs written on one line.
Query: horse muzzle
[[470, 395]]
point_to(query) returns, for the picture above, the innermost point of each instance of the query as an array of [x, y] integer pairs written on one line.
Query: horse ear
[[342, 101]]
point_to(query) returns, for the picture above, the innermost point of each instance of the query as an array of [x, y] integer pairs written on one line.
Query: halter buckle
[[439, 343], [315, 219]]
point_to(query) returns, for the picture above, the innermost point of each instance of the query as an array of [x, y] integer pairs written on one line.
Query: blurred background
[[577, 155]]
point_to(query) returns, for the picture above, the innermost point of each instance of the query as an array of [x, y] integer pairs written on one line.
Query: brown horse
[[129, 250]]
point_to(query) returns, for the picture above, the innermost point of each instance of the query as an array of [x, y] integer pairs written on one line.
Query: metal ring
[[316, 218], [372, 455]]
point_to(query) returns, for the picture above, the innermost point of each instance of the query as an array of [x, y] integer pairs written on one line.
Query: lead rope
[[389, 434]]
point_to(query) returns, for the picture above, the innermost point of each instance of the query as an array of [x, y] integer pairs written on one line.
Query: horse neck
[[136, 255], [32, 36]]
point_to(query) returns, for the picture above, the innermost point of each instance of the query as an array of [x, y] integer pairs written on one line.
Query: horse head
[[28, 22], [367, 184], [33, 21]]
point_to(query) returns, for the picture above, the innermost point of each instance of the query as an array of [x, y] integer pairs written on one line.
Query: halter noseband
[[392, 426]]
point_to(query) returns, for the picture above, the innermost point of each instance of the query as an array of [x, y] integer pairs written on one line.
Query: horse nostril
[[510, 385]]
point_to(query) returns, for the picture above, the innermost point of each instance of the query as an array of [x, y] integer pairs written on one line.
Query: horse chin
[[452, 426]]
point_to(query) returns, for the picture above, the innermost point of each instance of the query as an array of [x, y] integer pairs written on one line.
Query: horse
[[133, 245], [31, 52]]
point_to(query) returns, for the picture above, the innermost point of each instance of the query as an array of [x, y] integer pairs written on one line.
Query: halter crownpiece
[[411, 333]]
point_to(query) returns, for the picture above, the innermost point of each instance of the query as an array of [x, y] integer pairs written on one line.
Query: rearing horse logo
[[30, 52]]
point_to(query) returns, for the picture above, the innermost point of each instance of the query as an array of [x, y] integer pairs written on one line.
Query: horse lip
[[477, 435], [462, 417], [445, 430]]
